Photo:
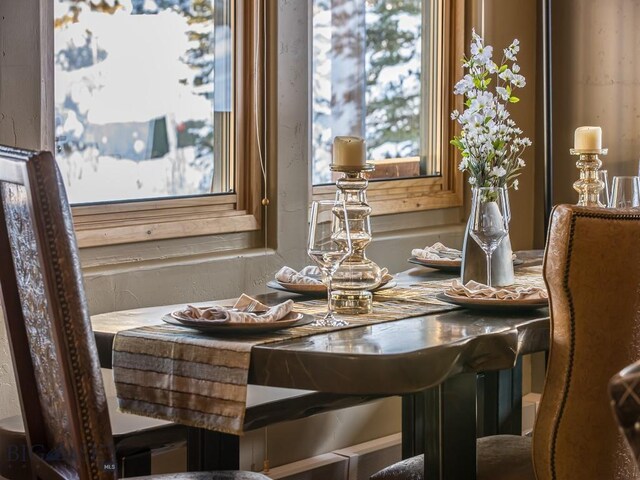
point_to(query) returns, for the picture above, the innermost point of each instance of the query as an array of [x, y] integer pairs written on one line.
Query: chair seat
[[505, 457], [207, 476], [131, 433], [500, 457]]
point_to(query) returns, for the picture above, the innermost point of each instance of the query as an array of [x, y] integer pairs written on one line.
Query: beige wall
[[500, 21], [596, 81]]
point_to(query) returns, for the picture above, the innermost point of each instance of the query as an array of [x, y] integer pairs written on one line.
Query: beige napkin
[[437, 252], [310, 275], [237, 314], [478, 290]]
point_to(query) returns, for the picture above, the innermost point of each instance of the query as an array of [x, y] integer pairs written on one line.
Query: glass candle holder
[[589, 185], [357, 275]]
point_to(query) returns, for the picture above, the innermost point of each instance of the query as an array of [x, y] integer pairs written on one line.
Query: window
[[149, 141], [383, 70]]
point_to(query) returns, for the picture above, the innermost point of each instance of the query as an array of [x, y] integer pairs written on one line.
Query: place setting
[[247, 315], [503, 289], [437, 256], [440, 257], [308, 281], [478, 296]]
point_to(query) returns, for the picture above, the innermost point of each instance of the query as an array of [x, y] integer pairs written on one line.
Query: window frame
[[432, 192], [241, 211]]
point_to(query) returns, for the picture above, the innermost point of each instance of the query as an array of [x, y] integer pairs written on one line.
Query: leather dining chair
[[134, 437], [592, 272], [62, 397], [624, 389]]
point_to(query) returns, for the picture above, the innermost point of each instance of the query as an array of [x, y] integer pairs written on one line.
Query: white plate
[[293, 319], [319, 290], [493, 303], [451, 266]]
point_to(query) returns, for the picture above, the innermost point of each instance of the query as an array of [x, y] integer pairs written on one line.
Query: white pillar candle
[[349, 151], [588, 139]]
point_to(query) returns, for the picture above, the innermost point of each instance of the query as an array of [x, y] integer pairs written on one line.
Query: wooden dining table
[[459, 375]]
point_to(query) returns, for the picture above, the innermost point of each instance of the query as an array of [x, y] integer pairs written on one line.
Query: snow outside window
[[374, 66], [143, 92]]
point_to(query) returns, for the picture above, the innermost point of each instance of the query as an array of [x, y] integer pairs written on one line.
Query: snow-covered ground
[[121, 76], [134, 76]]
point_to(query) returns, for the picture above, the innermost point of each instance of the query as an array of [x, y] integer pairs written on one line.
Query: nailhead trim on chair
[[572, 344], [70, 333]]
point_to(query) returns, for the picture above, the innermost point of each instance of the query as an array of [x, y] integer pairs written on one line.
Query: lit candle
[[588, 139], [348, 152]]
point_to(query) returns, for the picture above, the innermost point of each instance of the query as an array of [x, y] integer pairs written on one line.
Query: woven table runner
[[181, 375]]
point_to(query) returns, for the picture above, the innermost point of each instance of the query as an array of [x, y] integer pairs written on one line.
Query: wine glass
[[489, 220], [625, 192], [329, 246]]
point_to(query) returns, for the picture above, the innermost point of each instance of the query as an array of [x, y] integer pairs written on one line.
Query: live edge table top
[[393, 358]]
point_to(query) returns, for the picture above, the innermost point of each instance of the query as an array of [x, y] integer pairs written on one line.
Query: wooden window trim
[[428, 193], [241, 211]]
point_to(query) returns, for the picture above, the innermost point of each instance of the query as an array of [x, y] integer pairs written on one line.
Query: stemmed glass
[[489, 220], [329, 246]]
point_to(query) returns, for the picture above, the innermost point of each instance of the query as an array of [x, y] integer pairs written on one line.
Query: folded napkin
[[478, 290], [310, 275], [437, 252], [237, 314]]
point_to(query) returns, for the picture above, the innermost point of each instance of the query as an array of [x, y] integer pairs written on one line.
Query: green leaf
[[514, 99], [457, 143], [487, 82], [502, 68], [509, 89], [477, 82]]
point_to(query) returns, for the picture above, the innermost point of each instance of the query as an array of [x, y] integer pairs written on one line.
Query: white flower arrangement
[[490, 142]]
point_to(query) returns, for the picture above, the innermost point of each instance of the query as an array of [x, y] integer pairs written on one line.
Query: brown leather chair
[[62, 396], [592, 271], [624, 389]]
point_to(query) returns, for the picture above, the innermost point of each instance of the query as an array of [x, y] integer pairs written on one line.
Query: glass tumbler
[[625, 192]]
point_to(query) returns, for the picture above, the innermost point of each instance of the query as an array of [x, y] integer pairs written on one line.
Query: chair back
[[625, 399], [52, 345], [592, 271]]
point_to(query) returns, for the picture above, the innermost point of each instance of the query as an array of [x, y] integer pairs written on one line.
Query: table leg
[[207, 450], [441, 423], [500, 402]]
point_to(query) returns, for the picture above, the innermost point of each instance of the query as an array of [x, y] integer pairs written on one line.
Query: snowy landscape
[[135, 97], [138, 81], [367, 58]]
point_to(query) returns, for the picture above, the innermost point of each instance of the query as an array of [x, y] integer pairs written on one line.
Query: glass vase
[[474, 265]]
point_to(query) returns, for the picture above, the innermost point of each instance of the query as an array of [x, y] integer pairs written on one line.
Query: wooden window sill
[[406, 195], [111, 224]]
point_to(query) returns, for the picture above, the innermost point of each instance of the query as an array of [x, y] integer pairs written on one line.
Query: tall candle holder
[[357, 275], [589, 185]]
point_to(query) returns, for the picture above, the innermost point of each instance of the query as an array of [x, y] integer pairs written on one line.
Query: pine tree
[[393, 111]]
